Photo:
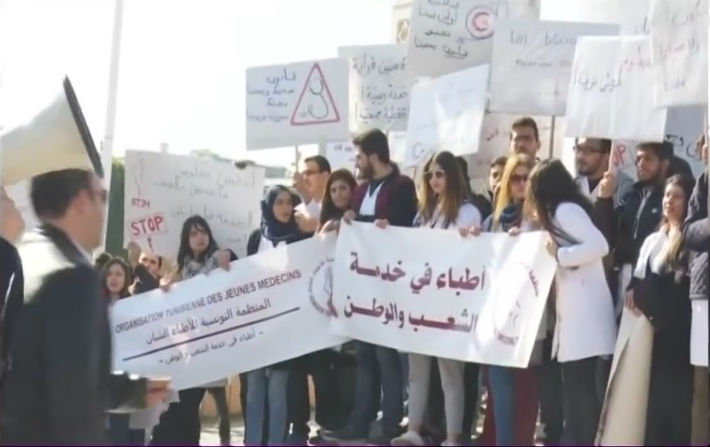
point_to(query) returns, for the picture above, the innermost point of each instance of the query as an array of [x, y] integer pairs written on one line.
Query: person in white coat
[[585, 326], [442, 205]]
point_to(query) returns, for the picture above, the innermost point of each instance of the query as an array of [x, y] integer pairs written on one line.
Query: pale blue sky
[[183, 62]]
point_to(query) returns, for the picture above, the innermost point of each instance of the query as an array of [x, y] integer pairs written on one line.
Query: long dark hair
[[456, 192], [550, 184], [328, 209], [184, 252], [126, 272]]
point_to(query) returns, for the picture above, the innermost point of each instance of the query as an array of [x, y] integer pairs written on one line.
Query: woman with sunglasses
[[585, 326], [513, 392], [443, 205]]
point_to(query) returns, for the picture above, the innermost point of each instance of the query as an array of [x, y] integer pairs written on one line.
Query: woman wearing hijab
[[267, 388]]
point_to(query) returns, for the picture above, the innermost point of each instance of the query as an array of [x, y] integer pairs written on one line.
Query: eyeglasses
[[518, 178], [435, 174]]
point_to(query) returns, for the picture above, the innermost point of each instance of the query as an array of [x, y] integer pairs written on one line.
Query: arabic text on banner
[[480, 302], [297, 103], [450, 35], [609, 90], [163, 190], [679, 35], [215, 326]]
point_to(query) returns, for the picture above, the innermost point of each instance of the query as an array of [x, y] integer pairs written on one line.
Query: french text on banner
[[542, 54], [215, 326], [474, 299]]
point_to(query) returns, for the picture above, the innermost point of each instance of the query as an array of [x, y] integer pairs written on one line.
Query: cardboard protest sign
[[541, 53], [163, 190], [298, 103]]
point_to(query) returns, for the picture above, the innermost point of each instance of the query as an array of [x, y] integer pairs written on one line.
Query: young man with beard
[[638, 213], [525, 137], [384, 195]]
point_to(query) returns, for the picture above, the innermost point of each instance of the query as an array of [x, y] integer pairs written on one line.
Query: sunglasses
[[435, 174], [518, 178]]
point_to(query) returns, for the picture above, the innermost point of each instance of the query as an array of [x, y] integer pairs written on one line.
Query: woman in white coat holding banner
[[585, 328], [442, 205]]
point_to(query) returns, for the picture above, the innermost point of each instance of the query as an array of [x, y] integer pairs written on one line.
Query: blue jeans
[[262, 384], [502, 388], [375, 362]]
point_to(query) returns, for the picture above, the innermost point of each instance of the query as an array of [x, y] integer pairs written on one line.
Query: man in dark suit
[[11, 277], [57, 388]]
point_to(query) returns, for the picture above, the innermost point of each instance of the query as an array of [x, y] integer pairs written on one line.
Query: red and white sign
[[298, 103]]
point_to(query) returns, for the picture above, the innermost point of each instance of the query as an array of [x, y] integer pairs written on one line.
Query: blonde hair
[[453, 197], [504, 195]]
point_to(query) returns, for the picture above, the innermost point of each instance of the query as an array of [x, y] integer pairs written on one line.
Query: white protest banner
[[379, 87], [474, 299], [215, 326], [450, 35], [298, 103], [679, 36], [446, 113], [341, 155], [163, 190], [684, 125], [609, 90], [630, 15], [541, 53]]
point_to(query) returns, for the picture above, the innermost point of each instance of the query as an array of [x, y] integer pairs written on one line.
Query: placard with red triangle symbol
[[315, 103]]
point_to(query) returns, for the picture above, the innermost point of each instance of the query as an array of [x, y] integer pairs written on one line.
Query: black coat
[[11, 295], [697, 239], [58, 388]]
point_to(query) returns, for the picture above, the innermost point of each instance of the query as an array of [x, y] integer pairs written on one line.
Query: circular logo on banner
[[480, 21], [320, 289]]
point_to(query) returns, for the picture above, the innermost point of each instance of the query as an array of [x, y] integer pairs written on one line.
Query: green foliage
[[114, 236]]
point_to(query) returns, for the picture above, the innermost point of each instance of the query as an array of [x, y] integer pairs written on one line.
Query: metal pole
[[110, 125], [551, 149]]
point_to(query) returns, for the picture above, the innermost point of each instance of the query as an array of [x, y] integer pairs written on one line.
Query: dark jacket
[[58, 388], [621, 227], [11, 296], [697, 239], [396, 201], [145, 282]]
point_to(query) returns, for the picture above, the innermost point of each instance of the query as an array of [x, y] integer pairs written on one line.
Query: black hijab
[[272, 228]]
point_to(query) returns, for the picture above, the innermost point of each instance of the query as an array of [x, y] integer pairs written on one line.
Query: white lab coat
[[585, 324]]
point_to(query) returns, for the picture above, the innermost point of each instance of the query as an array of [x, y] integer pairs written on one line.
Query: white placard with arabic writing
[[609, 93], [215, 326], [679, 35], [630, 15], [446, 113], [392, 290], [541, 53], [298, 103], [163, 190], [450, 35], [379, 87], [341, 155]]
